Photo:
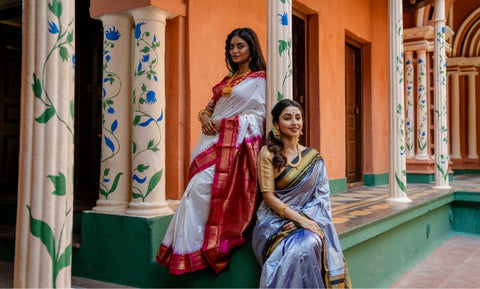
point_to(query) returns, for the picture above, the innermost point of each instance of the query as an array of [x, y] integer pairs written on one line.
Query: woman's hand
[[289, 226], [311, 226], [209, 127]]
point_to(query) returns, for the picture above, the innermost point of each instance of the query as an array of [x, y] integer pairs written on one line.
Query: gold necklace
[[299, 159], [227, 90]]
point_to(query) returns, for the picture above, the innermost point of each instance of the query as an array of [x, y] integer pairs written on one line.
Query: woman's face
[[290, 122], [239, 50]]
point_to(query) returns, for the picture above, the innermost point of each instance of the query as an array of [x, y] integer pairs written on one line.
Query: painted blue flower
[[284, 19], [114, 126], [110, 110], [106, 180], [151, 98], [104, 92], [420, 61], [52, 27], [408, 122], [73, 61], [145, 57], [139, 68], [155, 78], [138, 31], [443, 29], [423, 134], [409, 87], [408, 62], [112, 34], [423, 101], [154, 38], [107, 58]]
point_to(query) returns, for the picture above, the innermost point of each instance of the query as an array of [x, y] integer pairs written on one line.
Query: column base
[[148, 209], [110, 207]]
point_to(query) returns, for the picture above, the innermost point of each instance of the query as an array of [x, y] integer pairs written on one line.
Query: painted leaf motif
[[56, 8], [70, 37], [400, 184], [42, 230], [134, 147], [282, 46], [145, 123], [138, 179], [103, 193], [154, 181], [72, 108], [64, 53], [141, 168], [109, 143], [115, 183], [64, 260], [136, 196], [59, 183], [37, 87], [136, 119], [114, 125], [46, 115]]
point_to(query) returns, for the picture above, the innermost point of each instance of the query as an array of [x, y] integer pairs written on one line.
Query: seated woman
[[294, 239], [219, 204]]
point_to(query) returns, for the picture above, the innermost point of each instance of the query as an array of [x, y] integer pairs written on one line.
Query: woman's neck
[[243, 68], [289, 144]]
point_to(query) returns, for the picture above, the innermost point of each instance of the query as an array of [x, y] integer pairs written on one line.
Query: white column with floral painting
[[410, 113], [115, 161], [43, 247], [422, 107], [279, 54], [398, 174], [440, 79], [148, 114]]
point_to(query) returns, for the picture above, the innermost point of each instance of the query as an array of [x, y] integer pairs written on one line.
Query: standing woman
[[294, 239], [219, 203]]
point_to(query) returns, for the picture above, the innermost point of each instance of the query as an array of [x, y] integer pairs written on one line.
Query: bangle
[[202, 112], [282, 210]]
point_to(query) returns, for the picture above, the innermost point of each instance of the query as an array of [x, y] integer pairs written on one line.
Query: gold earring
[[301, 133]]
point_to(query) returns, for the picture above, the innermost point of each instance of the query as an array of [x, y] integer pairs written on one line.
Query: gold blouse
[[266, 172]]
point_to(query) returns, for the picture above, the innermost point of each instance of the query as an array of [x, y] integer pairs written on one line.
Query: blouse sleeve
[[266, 171]]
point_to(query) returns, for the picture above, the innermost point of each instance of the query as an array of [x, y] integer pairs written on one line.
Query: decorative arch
[[467, 39]]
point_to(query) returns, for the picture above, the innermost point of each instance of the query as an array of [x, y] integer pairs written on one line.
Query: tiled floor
[[455, 264]]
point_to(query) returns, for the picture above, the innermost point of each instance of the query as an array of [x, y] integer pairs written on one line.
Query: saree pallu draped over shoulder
[[218, 206], [300, 258]]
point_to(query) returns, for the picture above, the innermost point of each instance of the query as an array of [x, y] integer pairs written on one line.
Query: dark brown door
[[353, 114], [299, 66], [10, 75]]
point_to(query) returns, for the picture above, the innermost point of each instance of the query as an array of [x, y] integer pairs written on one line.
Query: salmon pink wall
[[208, 27]]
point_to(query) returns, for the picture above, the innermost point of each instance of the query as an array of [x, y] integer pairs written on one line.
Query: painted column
[[43, 247], [410, 115], [398, 174], [472, 117], [422, 107], [455, 114], [440, 66], [148, 108], [115, 164], [279, 54]]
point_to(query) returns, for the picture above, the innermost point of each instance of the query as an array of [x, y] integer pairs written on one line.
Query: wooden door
[[353, 125], [10, 83], [299, 68]]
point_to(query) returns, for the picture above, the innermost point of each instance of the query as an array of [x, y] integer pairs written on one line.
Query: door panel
[[353, 126]]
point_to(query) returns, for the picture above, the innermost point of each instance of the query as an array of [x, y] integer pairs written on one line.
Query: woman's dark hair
[[257, 62], [274, 145]]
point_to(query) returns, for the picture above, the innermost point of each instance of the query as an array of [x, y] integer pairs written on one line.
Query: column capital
[[103, 7], [150, 13]]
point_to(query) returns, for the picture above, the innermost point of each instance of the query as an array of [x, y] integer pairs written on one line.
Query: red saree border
[[234, 198], [178, 264], [202, 161]]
